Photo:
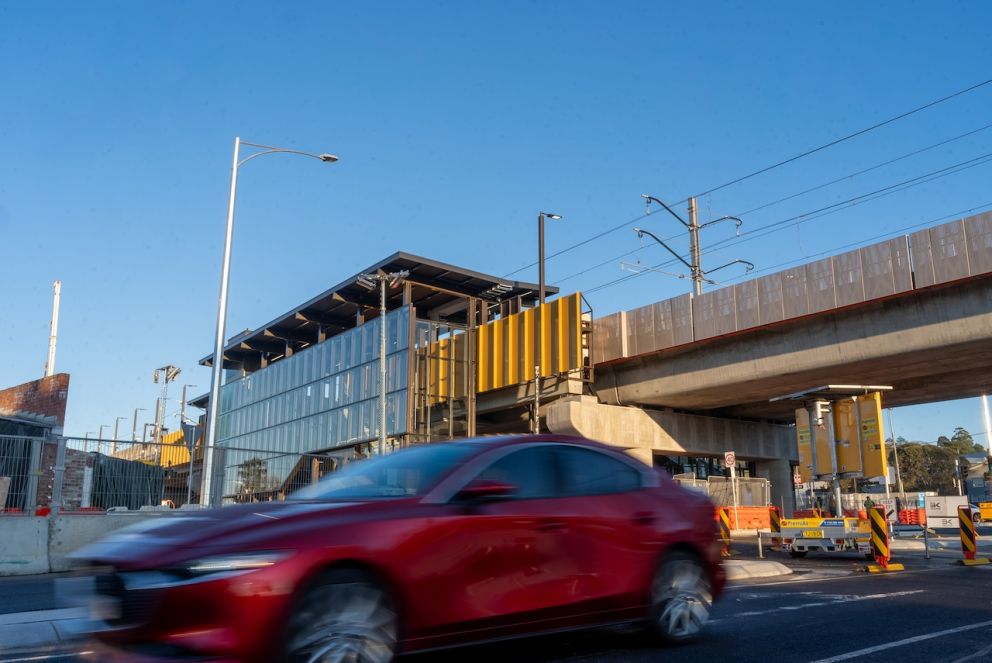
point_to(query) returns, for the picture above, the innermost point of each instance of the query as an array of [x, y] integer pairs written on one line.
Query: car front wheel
[[681, 598], [343, 617]]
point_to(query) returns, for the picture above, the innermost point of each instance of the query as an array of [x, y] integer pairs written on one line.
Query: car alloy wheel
[[345, 617], [681, 598]]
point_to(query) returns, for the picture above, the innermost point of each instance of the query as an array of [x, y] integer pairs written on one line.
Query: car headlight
[[233, 563]]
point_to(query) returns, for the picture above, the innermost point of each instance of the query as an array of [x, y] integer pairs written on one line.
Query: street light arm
[[651, 199], [737, 222], [272, 150], [641, 232], [748, 266]]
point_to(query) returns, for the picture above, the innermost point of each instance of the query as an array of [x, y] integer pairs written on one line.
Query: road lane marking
[[46, 657], [899, 643], [981, 655], [834, 599]]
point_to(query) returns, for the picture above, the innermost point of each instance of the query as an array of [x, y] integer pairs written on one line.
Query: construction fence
[[77, 475]]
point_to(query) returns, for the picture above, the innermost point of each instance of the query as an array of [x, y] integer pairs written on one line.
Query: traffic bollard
[[969, 538], [775, 520], [880, 543], [723, 516], [761, 551]]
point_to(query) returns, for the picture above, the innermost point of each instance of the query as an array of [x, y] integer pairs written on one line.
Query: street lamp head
[[640, 233], [551, 216], [327, 158]]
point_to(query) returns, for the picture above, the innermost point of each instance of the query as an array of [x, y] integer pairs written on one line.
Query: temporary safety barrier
[[775, 523], [723, 520], [913, 517], [969, 538], [880, 542]]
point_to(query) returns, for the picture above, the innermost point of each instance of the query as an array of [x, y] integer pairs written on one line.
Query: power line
[[787, 161], [856, 200], [824, 211], [866, 170], [620, 226], [887, 235], [845, 138]]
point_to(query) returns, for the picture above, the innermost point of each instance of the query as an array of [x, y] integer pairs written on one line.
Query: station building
[[467, 354]]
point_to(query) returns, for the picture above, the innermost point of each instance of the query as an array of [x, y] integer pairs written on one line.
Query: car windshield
[[401, 474]]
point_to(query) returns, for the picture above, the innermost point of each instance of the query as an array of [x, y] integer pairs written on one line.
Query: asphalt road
[[828, 611]]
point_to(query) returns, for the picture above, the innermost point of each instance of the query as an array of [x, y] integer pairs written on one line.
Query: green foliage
[[927, 467], [959, 443]]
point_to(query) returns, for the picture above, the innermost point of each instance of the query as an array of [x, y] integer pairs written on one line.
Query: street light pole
[[134, 424], [540, 251], [217, 363], [117, 423]]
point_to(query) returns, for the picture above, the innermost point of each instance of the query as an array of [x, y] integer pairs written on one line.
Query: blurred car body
[[433, 546]]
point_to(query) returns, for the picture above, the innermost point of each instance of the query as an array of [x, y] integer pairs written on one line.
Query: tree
[[927, 467], [960, 443]]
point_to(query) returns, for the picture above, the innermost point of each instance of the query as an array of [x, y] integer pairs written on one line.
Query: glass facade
[[322, 397]]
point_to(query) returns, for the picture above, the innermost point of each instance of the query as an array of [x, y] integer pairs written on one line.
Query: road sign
[[729, 459]]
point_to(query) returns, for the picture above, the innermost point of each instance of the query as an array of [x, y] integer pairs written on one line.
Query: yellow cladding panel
[[549, 336], [484, 352], [512, 350], [872, 436], [846, 432], [526, 320]]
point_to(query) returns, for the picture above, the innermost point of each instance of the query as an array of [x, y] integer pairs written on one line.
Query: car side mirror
[[483, 490]]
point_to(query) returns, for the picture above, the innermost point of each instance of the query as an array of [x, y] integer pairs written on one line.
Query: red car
[[430, 547]]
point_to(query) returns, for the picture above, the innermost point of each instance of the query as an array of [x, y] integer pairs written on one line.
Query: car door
[[611, 529], [499, 563]]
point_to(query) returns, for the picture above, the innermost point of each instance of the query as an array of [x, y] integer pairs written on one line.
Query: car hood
[[163, 539]]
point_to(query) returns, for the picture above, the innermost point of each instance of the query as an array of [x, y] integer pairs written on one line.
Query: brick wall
[[76, 463], [40, 398]]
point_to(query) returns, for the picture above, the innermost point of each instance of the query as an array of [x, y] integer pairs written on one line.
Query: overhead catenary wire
[[843, 139], [821, 212], [865, 170], [777, 226], [634, 220]]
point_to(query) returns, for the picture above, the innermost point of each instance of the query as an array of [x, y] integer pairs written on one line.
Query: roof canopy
[[437, 289]]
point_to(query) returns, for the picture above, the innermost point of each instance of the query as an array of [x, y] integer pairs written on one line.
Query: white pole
[[54, 332], [213, 407], [988, 423], [382, 365], [733, 486]]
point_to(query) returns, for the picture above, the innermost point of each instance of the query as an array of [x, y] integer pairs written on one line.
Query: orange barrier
[[750, 517], [913, 517], [775, 519]]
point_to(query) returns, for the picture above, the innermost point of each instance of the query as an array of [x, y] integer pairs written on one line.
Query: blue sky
[[456, 122]]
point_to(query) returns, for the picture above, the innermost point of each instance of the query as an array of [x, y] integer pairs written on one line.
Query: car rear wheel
[[344, 617], [681, 598]]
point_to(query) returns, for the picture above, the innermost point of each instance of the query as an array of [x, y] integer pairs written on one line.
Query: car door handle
[[549, 526], [645, 518]]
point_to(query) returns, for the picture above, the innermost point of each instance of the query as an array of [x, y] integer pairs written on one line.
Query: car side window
[[531, 470], [589, 472]]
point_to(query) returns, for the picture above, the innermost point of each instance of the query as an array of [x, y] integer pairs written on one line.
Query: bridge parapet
[[941, 254]]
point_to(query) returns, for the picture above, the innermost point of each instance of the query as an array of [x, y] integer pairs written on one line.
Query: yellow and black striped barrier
[[723, 517], [880, 542], [775, 521], [969, 538]]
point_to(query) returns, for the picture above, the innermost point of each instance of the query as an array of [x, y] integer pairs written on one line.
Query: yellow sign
[[853, 426], [813, 534], [824, 464], [801, 523], [872, 436], [846, 433]]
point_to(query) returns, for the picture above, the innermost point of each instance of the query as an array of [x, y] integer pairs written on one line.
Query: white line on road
[[46, 657], [981, 655], [899, 643], [833, 600]]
